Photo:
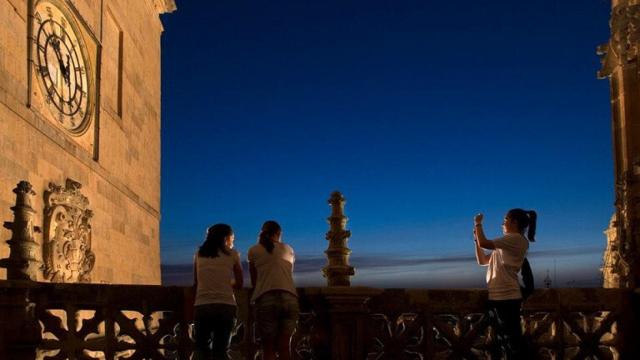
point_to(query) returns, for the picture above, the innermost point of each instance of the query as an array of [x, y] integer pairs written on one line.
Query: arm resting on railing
[[238, 277], [195, 274], [254, 274]]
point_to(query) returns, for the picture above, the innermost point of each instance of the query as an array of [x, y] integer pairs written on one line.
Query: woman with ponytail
[[503, 264], [274, 295], [217, 272]]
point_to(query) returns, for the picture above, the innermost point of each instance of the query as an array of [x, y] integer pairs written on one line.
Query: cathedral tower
[[80, 122]]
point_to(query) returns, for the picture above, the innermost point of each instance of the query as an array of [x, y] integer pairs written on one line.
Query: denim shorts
[[276, 313]]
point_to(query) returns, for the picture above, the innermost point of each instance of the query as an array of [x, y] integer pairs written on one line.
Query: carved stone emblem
[[67, 234]]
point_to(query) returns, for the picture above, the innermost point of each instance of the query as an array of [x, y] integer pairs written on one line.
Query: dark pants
[[217, 321], [505, 317]]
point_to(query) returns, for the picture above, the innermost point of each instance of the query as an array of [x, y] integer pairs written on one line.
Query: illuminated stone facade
[[620, 58], [80, 112], [615, 270]]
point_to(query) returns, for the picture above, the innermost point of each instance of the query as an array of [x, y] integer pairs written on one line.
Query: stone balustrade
[[90, 321]]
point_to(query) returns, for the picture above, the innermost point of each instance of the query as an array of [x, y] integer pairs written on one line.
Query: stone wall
[[122, 177]]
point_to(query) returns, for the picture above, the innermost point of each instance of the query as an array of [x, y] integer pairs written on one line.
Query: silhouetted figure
[[217, 271], [504, 262], [274, 297]]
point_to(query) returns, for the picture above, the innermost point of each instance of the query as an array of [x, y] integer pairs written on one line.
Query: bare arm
[[481, 239], [254, 274], [195, 273], [238, 276], [481, 257]]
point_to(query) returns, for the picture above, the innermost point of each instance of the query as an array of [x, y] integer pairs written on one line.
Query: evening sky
[[422, 113]]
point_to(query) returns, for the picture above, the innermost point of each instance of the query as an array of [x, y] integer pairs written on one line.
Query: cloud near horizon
[[579, 265]]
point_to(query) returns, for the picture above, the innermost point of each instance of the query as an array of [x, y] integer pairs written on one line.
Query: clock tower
[[80, 137]]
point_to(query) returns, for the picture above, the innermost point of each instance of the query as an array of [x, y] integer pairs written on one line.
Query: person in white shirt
[[274, 295], [503, 264], [217, 271]]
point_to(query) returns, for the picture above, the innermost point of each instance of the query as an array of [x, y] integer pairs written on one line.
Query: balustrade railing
[[90, 321], [452, 324]]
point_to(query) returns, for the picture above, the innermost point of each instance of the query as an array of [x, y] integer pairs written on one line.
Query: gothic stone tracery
[[622, 48], [67, 234], [620, 66]]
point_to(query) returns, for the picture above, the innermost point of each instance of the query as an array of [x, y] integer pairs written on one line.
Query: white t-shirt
[[275, 269], [504, 265], [214, 278]]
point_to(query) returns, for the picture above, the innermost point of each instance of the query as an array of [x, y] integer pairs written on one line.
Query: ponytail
[[269, 230], [526, 220], [531, 232]]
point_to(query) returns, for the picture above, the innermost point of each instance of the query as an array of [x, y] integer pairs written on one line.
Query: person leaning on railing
[[504, 262], [274, 296], [217, 271]]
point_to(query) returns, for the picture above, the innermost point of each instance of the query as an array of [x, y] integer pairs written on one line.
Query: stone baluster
[[338, 271], [23, 263]]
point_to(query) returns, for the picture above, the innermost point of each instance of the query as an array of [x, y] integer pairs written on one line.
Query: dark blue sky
[[422, 113]]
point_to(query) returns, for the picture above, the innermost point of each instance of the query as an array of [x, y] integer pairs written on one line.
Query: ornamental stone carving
[[623, 47], [338, 271], [615, 267], [67, 234], [23, 262]]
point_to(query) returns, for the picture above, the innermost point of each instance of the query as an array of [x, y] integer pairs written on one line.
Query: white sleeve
[[507, 242]]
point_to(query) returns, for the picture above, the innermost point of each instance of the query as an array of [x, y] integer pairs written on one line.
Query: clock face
[[61, 67]]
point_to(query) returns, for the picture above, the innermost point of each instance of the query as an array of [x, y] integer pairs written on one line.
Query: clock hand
[[55, 43], [65, 71], [67, 78]]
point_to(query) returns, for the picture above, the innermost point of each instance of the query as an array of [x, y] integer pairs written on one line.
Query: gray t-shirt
[[504, 265], [214, 278], [275, 269]]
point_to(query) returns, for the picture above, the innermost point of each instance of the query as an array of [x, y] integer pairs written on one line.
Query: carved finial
[[24, 187], [23, 263], [338, 271], [336, 197]]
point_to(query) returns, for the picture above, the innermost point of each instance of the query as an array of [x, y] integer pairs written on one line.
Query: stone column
[[348, 312], [23, 263], [338, 271]]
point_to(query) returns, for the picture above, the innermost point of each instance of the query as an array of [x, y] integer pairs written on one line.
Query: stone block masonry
[[120, 177]]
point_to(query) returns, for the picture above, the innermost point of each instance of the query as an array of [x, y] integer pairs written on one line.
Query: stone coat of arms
[[67, 234]]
